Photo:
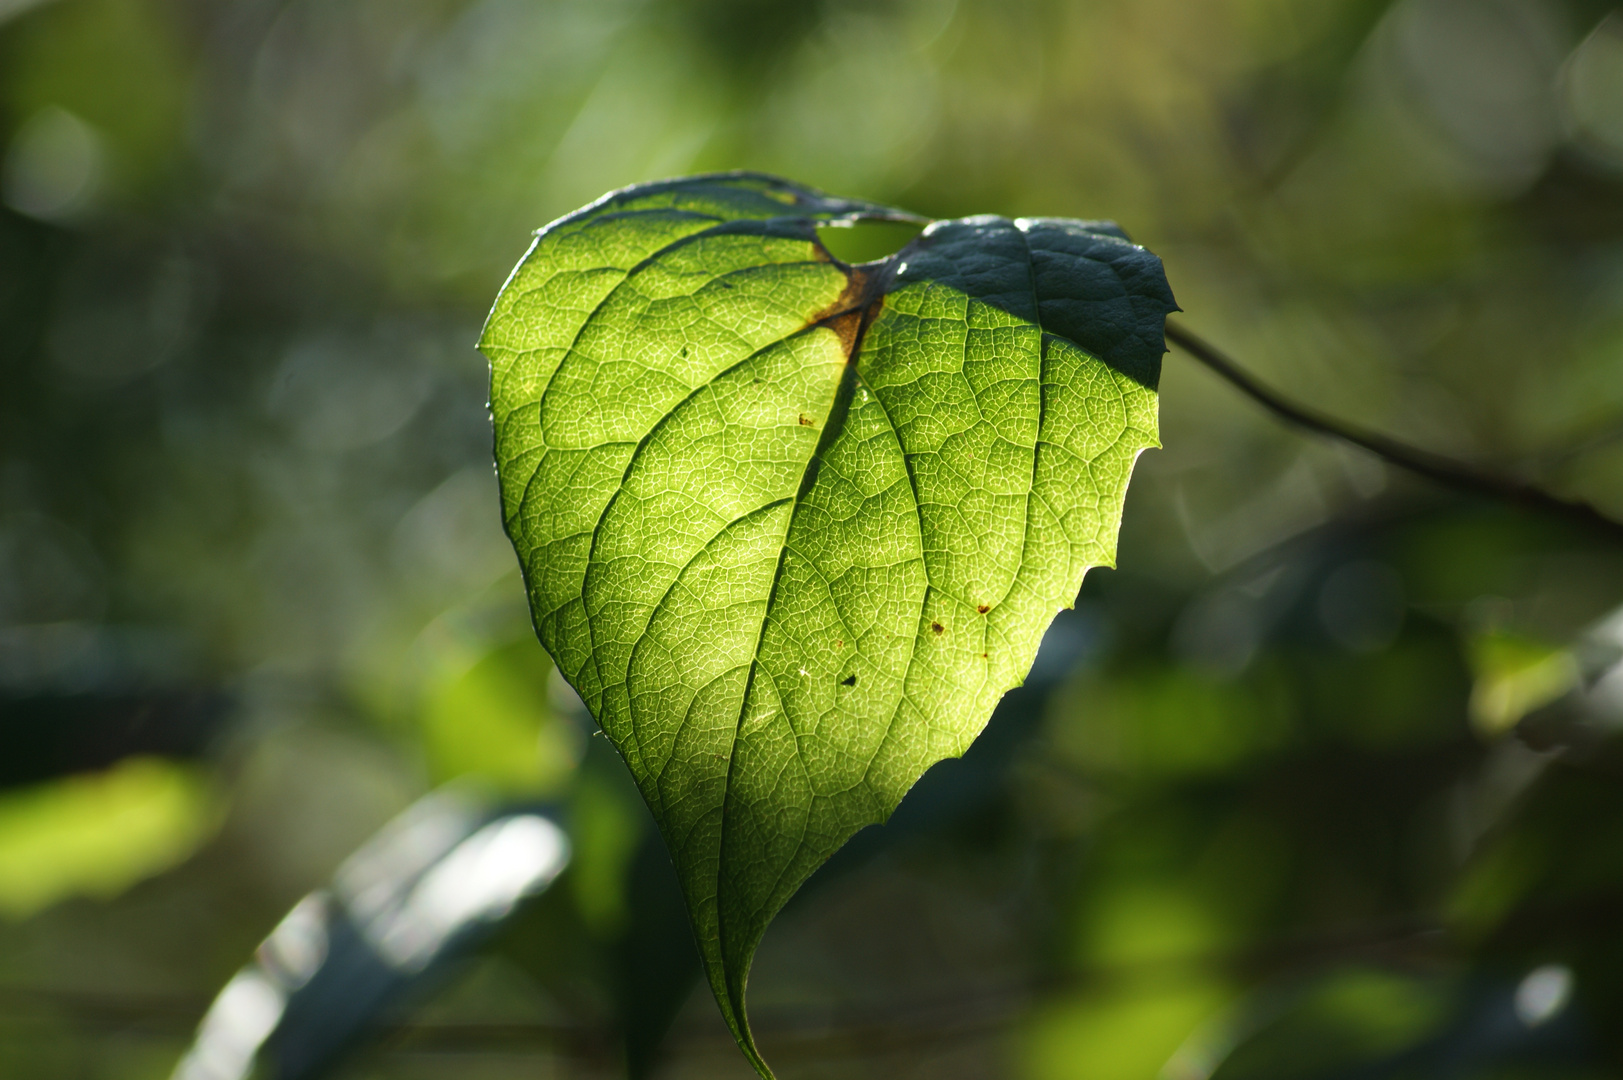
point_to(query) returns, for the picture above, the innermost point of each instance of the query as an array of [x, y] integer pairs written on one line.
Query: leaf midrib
[[875, 286]]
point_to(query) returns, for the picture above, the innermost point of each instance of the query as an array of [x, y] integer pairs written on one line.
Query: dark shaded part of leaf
[[1079, 280], [1102, 292], [734, 198], [984, 257]]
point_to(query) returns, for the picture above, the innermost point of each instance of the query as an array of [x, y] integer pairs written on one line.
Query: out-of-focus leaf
[[116, 64], [1177, 723], [434, 882], [97, 834], [1514, 676], [607, 827], [1125, 1033], [792, 527], [487, 717], [1359, 1015]]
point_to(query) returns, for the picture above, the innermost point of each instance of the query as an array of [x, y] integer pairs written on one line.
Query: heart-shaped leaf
[[792, 527]]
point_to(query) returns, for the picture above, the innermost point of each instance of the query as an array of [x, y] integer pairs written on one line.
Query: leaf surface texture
[[791, 528]]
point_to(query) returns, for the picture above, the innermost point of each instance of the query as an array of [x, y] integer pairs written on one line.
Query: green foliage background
[[1274, 819]]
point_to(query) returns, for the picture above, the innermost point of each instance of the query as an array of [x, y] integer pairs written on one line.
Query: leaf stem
[[1435, 467]]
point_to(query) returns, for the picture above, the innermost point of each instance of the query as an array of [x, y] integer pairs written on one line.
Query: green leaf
[[97, 834], [792, 527]]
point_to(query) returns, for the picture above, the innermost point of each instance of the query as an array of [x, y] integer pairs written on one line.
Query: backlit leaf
[[792, 527]]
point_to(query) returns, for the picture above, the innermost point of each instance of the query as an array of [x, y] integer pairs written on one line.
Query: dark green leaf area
[[1079, 280], [792, 527]]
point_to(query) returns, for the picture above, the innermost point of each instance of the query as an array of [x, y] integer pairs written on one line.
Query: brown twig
[[1435, 467]]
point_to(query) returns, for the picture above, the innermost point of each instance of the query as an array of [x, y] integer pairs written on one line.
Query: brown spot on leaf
[[937, 627], [984, 655], [857, 303], [847, 325], [851, 297], [804, 422], [839, 643], [984, 608]]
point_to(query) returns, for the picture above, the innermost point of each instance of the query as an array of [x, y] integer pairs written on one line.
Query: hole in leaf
[[849, 680], [866, 240]]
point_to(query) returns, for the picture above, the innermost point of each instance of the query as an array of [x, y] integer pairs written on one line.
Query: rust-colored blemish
[[839, 643], [852, 296], [804, 422], [984, 655], [983, 608], [937, 627], [845, 316], [847, 325]]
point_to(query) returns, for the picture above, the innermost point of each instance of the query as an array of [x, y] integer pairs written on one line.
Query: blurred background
[[1325, 780]]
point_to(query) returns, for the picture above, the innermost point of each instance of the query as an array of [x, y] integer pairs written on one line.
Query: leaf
[[97, 834], [792, 527]]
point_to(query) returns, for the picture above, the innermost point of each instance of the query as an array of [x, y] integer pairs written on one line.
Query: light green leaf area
[[792, 527], [97, 834]]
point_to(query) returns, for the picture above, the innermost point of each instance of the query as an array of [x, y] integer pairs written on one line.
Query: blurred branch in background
[[1443, 470]]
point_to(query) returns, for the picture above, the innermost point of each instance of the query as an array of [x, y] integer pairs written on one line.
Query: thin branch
[[1435, 467]]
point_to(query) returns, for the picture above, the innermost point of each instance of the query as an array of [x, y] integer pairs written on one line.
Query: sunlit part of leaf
[[98, 834], [792, 527]]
